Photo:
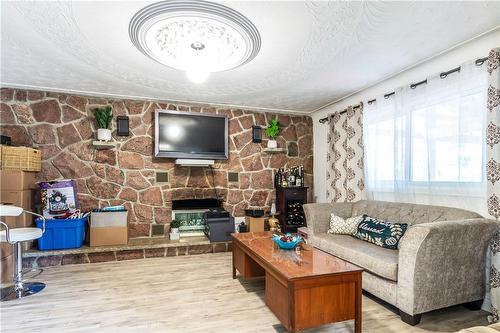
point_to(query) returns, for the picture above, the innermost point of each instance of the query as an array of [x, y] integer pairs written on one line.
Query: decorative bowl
[[287, 245]]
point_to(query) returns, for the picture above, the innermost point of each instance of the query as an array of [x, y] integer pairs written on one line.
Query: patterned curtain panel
[[345, 175], [493, 134], [493, 172]]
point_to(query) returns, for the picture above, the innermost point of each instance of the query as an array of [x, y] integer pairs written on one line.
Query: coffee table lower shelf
[[305, 302]]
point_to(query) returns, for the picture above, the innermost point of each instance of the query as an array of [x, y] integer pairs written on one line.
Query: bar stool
[[15, 236]]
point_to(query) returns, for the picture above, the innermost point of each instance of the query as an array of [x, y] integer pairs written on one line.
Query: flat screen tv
[[191, 135]]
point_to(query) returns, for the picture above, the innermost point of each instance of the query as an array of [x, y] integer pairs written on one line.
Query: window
[[427, 145]]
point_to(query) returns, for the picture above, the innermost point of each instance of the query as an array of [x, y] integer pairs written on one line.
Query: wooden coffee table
[[303, 290]]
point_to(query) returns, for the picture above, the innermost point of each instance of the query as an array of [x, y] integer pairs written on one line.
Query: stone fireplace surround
[[62, 127]]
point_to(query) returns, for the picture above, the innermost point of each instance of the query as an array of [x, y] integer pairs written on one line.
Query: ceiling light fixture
[[198, 37]]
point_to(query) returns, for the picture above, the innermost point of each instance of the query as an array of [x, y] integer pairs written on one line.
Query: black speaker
[[256, 134], [122, 126]]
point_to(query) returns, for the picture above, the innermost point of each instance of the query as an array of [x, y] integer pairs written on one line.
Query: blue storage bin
[[62, 233]]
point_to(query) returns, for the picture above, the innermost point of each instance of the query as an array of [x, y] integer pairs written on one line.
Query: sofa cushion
[[373, 258], [380, 233], [341, 226]]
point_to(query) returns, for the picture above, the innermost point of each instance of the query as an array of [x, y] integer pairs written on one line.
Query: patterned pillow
[[342, 226], [385, 234]]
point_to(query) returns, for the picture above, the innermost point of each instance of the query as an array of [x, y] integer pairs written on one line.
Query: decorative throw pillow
[[342, 226], [385, 234]]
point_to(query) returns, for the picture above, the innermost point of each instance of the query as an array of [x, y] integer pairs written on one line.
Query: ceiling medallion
[[198, 37]]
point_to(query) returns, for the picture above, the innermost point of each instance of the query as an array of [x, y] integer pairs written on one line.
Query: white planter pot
[[272, 144], [103, 134], [175, 236], [174, 230]]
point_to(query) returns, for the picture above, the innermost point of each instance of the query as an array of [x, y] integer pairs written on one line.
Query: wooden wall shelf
[[274, 150], [103, 144]]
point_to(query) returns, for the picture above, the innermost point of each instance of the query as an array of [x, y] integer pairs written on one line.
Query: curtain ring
[[443, 75], [413, 86]]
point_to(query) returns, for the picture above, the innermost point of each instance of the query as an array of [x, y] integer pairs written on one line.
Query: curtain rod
[[443, 75], [323, 120]]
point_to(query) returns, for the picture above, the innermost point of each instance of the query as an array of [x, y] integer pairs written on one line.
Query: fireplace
[[190, 214]]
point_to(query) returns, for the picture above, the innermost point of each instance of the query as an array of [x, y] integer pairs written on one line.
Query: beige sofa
[[440, 261]]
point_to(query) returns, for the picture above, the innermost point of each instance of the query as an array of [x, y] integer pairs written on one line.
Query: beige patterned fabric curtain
[[493, 174], [493, 134], [345, 174]]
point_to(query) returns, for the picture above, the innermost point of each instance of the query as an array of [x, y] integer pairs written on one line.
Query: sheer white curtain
[[426, 145]]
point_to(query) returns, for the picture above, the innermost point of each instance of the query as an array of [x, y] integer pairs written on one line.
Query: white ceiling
[[312, 52]]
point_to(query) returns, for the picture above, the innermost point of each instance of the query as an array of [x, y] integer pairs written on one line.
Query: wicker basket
[[20, 158]]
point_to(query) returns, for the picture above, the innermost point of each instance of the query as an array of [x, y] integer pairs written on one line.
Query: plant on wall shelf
[[272, 131], [103, 118]]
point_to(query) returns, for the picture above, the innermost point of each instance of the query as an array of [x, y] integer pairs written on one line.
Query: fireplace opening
[[190, 214]]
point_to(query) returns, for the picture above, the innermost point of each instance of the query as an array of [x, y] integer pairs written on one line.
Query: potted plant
[[103, 118], [272, 131], [174, 229]]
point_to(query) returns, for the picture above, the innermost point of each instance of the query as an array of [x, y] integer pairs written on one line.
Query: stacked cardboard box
[[16, 188], [255, 224]]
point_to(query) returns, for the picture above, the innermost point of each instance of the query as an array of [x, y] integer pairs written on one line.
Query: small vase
[[273, 209], [103, 134], [272, 144]]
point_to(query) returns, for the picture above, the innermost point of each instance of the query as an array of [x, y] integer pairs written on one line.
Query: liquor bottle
[[284, 181], [277, 182], [291, 177], [300, 180]]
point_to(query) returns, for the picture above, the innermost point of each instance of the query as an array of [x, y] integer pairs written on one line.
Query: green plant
[[103, 116], [273, 129], [175, 224]]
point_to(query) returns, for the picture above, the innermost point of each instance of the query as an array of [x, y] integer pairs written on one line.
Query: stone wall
[[62, 127]]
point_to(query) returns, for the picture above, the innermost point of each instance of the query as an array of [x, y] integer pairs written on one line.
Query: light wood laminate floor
[[180, 294]]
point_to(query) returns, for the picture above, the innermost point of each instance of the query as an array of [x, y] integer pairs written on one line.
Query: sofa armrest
[[318, 215], [442, 264]]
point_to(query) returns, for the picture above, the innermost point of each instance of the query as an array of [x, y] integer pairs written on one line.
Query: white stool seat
[[21, 234]]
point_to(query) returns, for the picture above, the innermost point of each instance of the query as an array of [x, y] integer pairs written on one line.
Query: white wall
[[474, 49]]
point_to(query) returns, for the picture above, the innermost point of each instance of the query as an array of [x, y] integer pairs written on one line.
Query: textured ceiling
[[312, 52]]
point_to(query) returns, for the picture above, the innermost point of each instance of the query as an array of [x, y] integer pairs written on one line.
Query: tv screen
[[190, 135]]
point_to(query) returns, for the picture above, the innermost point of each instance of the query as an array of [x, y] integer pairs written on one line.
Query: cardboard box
[[255, 224], [23, 199], [108, 236], [6, 249], [16, 180], [7, 270], [108, 228]]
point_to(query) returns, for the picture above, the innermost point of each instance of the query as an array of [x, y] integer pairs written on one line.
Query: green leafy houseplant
[[273, 129], [174, 230], [175, 224], [103, 117]]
